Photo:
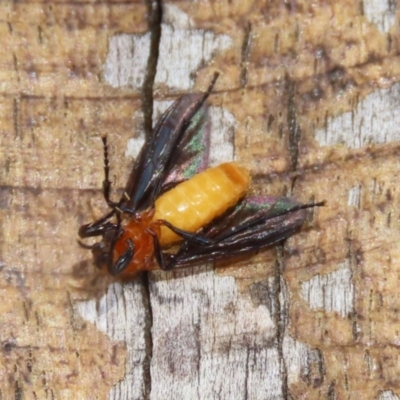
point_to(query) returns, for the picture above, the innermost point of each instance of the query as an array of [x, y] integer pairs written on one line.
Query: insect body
[[174, 211], [189, 206], [197, 201]]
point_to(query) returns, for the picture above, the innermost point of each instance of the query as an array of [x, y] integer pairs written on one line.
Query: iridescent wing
[[176, 149], [256, 223], [192, 154]]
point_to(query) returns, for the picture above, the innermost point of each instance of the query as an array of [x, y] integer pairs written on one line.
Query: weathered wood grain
[[307, 99]]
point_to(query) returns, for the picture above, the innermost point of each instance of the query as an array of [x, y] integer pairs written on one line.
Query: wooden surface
[[308, 99]]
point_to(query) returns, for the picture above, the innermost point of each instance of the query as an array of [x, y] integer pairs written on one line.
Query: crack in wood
[[246, 379], [148, 338], [154, 21], [280, 317], [245, 55]]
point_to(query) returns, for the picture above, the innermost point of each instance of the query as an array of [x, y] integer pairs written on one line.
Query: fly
[[175, 211]]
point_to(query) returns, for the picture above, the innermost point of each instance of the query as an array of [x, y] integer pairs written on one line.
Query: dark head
[[102, 251]]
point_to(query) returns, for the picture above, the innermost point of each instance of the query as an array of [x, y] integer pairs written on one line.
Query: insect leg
[[189, 236], [86, 246], [161, 257], [96, 228]]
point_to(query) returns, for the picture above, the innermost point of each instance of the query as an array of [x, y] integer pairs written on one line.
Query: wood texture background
[[308, 99]]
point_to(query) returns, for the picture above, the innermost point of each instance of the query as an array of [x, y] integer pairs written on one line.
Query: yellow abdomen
[[197, 201]]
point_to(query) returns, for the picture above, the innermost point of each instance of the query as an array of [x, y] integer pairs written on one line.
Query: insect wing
[[192, 153], [257, 222], [158, 155]]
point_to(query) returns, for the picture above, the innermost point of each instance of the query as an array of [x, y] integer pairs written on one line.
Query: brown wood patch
[[309, 95]]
